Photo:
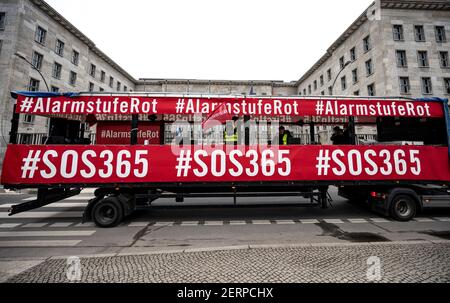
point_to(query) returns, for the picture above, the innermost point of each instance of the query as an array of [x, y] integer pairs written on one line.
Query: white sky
[[212, 39]]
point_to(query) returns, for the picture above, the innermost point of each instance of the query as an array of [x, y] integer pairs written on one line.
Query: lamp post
[[34, 67], [342, 69]]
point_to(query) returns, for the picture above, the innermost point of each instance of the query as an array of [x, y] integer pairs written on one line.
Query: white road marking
[[357, 221], [35, 225], [87, 224], [423, 220], [54, 205], [443, 219], [61, 224], [238, 223], [379, 220], [285, 222], [309, 221], [190, 223], [76, 198], [138, 224], [62, 233], [213, 223], [10, 225], [334, 221], [163, 224], [261, 222], [42, 214], [49, 243]]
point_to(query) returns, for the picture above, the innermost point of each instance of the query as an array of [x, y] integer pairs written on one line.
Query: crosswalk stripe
[[64, 233], [54, 205], [163, 224], [86, 224], [238, 223], [357, 220], [213, 223], [35, 225], [61, 224], [309, 221], [443, 219], [10, 225], [261, 222], [192, 223], [76, 198], [48, 243], [379, 220], [285, 222], [138, 224], [334, 221], [42, 214], [423, 220]]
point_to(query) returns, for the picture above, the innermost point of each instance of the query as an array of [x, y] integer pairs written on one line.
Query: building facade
[[395, 48]]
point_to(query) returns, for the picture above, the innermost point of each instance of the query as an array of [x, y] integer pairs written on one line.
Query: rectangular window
[[101, 89], [427, 87], [111, 82], [329, 74], [356, 93], [419, 33], [73, 78], [91, 87], [367, 44], [321, 80], [422, 57], [353, 54], [371, 90], [342, 62], [92, 70], [304, 92], [125, 88], [440, 34], [2, 20], [355, 75], [444, 59], [59, 48], [75, 57], [55, 89], [404, 85], [315, 84], [28, 119], [343, 83], [398, 32], [102, 76], [119, 86], [401, 58], [34, 85], [330, 90], [447, 86], [322, 93], [40, 35], [36, 60], [309, 89], [57, 68], [369, 68]]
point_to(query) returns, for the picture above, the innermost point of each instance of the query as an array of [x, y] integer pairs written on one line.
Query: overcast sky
[[212, 39]]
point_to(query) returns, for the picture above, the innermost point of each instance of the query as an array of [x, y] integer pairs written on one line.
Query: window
[[119, 85], [322, 93], [398, 32], [353, 54], [440, 34], [92, 70], [304, 92], [369, 68], [422, 57], [102, 76], [36, 60], [342, 62], [356, 93], [401, 58], [73, 78], [444, 59], [111, 82], [57, 70], [75, 57], [343, 83], [34, 85], [91, 86], [125, 88], [315, 84], [371, 90], [419, 33], [321, 80], [330, 90], [28, 119], [447, 86], [355, 75], [101, 89], [2, 20], [329, 74], [427, 88], [54, 89], [59, 48], [404, 85], [367, 45], [40, 35], [309, 89]]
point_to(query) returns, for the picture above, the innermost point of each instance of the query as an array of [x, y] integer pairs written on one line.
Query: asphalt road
[[28, 239]]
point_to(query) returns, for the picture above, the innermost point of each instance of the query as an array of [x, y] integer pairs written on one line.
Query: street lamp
[[34, 67], [342, 69]]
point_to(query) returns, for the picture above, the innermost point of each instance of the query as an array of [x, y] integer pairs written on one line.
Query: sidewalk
[[400, 262]]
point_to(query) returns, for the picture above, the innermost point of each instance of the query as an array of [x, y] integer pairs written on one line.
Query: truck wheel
[[403, 208], [107, 212]]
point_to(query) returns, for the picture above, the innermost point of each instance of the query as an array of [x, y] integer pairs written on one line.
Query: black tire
[[403, 208], [107, 212]]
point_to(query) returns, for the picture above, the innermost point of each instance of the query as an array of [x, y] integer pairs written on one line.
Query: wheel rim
[[106, 214], [402, 208]]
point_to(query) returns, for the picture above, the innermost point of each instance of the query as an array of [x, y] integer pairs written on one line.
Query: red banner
[[118, 133], [271, 107], [38, 165]]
